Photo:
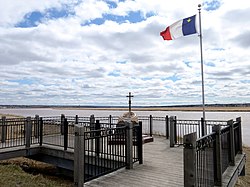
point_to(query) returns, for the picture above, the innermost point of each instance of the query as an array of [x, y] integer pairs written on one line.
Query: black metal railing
[[12, 132], [183, 127], [205, 160], [214, 153], [105, 149]]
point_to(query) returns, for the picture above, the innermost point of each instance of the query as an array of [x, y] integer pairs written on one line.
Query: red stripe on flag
[[166, 34]]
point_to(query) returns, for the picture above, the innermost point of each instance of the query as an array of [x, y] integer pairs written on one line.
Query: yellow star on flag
[[189, 20]]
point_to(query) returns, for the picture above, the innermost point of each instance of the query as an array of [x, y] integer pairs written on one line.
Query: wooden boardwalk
[[162, 167]]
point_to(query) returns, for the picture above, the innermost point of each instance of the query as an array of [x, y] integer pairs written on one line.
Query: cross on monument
[[129, 101]]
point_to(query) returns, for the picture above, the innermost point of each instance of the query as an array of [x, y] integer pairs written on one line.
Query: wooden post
[[217, 156], [150, 125], [189, 159], [62, 124], [79, 154], [231, 143], [28, 131], [167, 127], [3, 129], [172, 131], [129, 146], [240, 135], [140, 143], [65, 125], [36, 126]]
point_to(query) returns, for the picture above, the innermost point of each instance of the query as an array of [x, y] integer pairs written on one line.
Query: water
[[245, 116]]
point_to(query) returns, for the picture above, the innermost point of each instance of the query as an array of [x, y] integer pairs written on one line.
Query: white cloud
[[70, 59]]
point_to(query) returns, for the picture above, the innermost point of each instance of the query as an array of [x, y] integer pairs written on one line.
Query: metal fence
[[205, 160], [104, 151], [179, 128], [107, 149], [14, 132], [209, 156]]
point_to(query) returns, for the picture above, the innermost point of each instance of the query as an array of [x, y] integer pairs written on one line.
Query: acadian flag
[[180, 28]]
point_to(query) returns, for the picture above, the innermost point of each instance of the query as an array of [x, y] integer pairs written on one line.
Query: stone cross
[[129, 101]]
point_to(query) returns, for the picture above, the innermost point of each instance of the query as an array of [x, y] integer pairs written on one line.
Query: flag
[[180, 28]]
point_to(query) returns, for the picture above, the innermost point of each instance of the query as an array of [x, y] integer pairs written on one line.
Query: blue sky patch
[[173, 78], [23, 81], [132, 17], [33, 19], [115, 73], [211, 64], [245, 81], [146, 78], [111, 4], [212, 5]]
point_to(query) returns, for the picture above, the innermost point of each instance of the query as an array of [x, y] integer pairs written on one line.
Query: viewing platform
[[95, 151], [162, 166]]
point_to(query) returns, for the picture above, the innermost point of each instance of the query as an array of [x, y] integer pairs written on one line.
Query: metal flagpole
[[202, 76]]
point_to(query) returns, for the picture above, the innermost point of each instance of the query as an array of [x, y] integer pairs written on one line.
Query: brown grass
[[24, 172], [244, 181]]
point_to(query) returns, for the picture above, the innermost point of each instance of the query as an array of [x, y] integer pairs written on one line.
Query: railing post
[[175, 129], [129, 145], [76, 119], [36, 126], [62, 123], [41, 130], [79, 154], [203, 130], [110, 121], [172, 131], [92, 122], [97, 137], [140, 143], [238, 120], [150, 125], [167, 126], [3, 129], [231, 143], [65, 125], [28, 130], [189, 159], [217, 156]]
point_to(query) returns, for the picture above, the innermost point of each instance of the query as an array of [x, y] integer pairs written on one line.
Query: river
[[245, 116]]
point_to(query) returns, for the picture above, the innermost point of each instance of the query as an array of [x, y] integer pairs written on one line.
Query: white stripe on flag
[[176, 29]]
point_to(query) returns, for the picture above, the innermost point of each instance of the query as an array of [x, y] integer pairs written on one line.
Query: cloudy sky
[[93, 52]]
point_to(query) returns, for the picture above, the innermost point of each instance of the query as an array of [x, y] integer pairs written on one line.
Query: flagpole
[[202, 75]]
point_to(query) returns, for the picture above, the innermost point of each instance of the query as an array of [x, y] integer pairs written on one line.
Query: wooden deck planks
[[162, 167]]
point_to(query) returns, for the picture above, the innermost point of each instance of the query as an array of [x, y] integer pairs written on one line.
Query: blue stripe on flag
[[188, 26]]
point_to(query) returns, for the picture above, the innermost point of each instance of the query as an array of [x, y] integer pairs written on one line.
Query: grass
[[22, 172], [244, 181]]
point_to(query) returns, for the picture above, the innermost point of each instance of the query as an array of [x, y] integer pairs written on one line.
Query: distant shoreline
[[191, 109]]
